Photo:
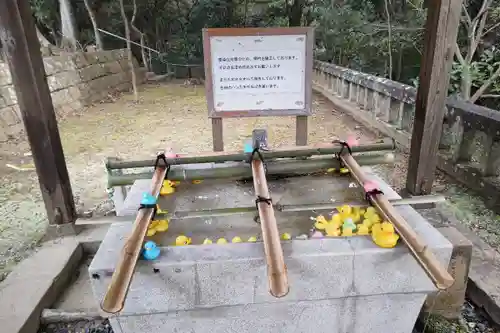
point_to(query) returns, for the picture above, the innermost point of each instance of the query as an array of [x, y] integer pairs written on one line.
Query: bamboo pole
[[116, 294], [436, 272], [242, 170], [276, 269], [216, 157]]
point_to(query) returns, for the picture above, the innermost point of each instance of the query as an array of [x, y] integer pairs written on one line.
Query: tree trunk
[[129, 51], [68, 40], [389, 31], [98, 40], [295, 13], [132, 24]]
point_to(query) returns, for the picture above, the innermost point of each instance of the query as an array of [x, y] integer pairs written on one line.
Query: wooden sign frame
[[308, 33]]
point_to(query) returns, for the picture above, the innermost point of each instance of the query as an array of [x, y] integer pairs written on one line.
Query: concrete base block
[[343, 284], [353, 315]]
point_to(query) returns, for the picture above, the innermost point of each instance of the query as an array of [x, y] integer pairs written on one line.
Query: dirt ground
[[166, 115]]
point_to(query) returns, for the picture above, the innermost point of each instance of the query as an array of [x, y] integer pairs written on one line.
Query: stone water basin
[[344, 284]]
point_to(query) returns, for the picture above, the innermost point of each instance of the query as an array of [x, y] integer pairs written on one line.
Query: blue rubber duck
[[151, 251], [148, 199]]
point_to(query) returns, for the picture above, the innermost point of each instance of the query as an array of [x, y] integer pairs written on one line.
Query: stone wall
[[469, 149], [75, 80]]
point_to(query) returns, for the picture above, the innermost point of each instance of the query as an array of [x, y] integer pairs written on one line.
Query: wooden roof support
[[22, 48], [114, 300], [276, 268], [436, 272], [443, 17]]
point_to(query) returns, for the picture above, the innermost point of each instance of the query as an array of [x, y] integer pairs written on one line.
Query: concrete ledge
[[36, 283], [449, 303]]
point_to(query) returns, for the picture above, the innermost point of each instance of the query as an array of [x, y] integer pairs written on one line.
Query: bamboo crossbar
[[276, 269], [216, 157], [433, 268], [116, 294], [217, 212], [240, 170]]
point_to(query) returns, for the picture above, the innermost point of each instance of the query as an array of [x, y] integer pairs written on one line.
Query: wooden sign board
[[258, 71]]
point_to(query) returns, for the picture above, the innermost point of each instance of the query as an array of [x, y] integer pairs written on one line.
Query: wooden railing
[[470, 142]]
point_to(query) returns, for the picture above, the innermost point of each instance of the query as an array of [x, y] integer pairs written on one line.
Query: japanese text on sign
[[258, 72]]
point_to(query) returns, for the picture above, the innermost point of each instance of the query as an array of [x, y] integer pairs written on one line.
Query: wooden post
[[441, 30], [20, 42], [301, 130], [218, 134]]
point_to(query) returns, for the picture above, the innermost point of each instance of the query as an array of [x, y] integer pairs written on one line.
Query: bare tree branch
[[459, 56], [485, 86], [490, 96], [490, 29]]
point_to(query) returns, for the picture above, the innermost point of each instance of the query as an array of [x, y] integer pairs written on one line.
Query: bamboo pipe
[[114, 300], [276, 269], [436, 272], [216, 157], [242, 170]]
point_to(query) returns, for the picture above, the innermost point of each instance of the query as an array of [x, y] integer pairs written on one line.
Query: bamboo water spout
[[433, 268], [276, 268], [114, 300]]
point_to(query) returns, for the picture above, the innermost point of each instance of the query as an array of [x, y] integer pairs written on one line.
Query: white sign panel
[[259, 73]]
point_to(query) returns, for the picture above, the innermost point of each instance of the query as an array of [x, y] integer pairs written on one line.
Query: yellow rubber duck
[[236, 240], [363, 230], [336, 220], [344, 171], [221, 241], [167, 188], [383, 235], [182, 240], [371, 215], [286, 236], [332, 230], [345, 212], [321, 222], [252, 239], [207, 241], [356, 214], [157, 226]]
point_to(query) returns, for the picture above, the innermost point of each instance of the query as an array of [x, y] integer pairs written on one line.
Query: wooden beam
[[443, 17], [22, 48]]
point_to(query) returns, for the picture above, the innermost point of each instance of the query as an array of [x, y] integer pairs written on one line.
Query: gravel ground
[[78, 327], [471, 320], [167, 114]]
